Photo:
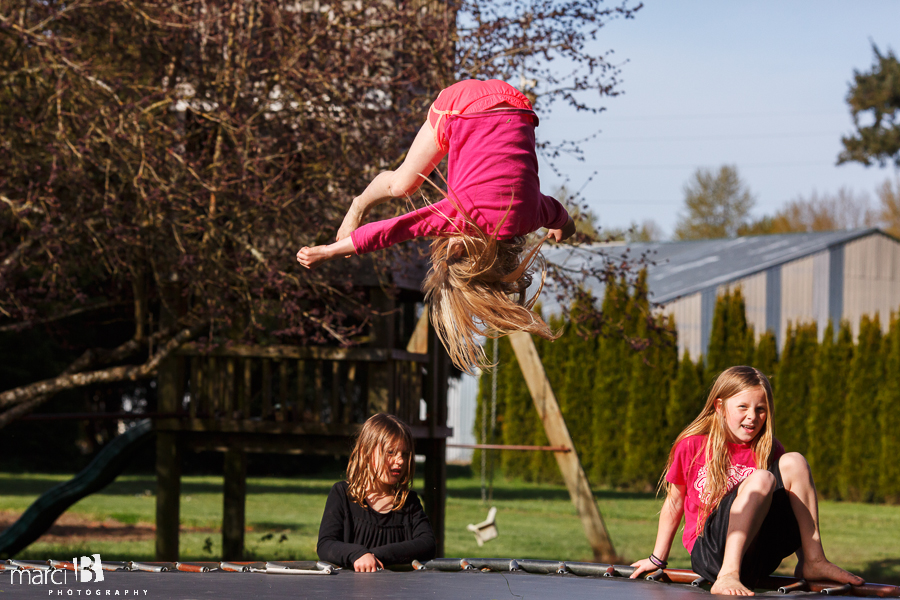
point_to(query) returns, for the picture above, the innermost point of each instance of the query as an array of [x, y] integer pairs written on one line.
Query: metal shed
[[785, 278]]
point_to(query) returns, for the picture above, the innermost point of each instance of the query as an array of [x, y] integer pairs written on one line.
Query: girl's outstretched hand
[[367, 563], [567, 231], [642, 566], [310, 257]]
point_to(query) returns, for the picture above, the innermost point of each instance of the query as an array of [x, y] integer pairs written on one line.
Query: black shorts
[[778, 538]]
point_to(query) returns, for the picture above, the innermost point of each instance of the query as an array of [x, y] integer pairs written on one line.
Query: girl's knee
[[760, 481], [794, 469], [792, 463]]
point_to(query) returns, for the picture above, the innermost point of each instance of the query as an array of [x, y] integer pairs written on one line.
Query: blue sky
[[760, 85]]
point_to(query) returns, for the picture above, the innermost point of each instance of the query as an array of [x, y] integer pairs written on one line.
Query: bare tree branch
[[48, 387]]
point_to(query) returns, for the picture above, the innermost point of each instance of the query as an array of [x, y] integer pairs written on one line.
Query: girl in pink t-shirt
[[480, 268], [747, 504]]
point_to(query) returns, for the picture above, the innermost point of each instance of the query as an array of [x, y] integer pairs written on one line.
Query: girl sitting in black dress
[[373, 518]]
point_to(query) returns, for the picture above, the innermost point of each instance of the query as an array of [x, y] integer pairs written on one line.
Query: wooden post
[[435, 449], [434, 493], [558, 435], [168, 495], [170, 382], [381, 382], [235, 495]]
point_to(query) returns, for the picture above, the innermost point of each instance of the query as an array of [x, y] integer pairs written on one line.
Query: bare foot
[[823, 570], [729, 584]]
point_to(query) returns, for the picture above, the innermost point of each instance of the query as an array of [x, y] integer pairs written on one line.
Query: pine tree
[[889, 399], [611, 383], [580, 345], [518, 416], [728, 342], [827, 399], [765, 358], [652, 372], [650, 376], [686, 397], [794, 380], [716, 352], [861, 449]]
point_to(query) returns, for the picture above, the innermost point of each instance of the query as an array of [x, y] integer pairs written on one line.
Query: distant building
[[462, 404], [796, 277]]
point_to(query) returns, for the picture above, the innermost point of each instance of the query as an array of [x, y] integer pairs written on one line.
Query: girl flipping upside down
[[480, 268]]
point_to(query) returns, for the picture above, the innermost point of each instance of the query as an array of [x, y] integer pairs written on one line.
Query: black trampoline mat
[[421, 585]]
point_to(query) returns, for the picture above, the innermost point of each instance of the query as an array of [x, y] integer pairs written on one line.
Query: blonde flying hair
[[477, 286], [711, 423], [380, 431]]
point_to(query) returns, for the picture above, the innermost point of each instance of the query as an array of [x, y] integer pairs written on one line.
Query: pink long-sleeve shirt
[[492, 167]]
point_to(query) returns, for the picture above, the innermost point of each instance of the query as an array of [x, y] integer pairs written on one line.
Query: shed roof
[[678, 269]]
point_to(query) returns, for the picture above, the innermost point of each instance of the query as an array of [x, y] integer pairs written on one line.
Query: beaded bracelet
[[658, 562]]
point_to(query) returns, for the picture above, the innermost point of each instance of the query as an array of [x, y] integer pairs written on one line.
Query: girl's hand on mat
[[642, 566], [367, 563]]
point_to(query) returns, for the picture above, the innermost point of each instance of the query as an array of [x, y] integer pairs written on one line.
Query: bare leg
[[801, 489], [748, 511]]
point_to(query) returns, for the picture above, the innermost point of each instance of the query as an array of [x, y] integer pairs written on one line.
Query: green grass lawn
[[535, 521]]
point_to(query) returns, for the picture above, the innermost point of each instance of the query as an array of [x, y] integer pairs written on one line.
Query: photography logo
[[89, 569]]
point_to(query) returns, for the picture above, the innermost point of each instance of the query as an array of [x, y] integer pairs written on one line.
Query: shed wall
[[871, 279], [687, 315], [797, 292]]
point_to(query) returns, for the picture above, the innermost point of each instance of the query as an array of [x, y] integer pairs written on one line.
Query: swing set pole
[[558, 435]]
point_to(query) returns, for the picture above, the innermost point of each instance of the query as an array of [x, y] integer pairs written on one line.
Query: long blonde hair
[[380, 431], [711, 423], [477, 287]]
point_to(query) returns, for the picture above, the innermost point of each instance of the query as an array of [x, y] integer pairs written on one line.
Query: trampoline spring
[[417, 566], [30, 566], [277, 570], [114, 565], [61, 564], [445, 564], [800, 585], [189, 568], [233, 567], [583, 569], [655, 575], [610, 571], [147, 567], [562, 569], [465, 566], [698, 582], [838, 591], [542, 567], [513, 565]]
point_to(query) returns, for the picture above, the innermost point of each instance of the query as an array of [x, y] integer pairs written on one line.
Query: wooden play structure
[[298, 400], [289, 400]]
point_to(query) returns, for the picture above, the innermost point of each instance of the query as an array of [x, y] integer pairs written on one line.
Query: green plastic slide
[[101, 471]]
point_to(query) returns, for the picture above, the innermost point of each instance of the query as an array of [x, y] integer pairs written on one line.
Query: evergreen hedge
[[625, 395]]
